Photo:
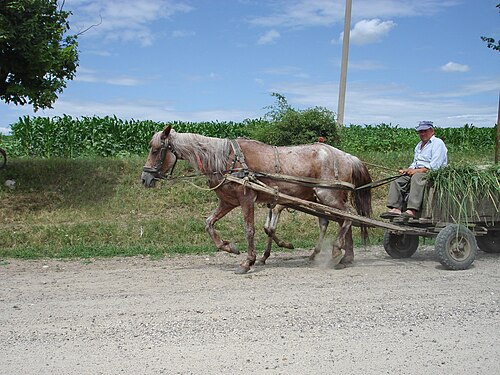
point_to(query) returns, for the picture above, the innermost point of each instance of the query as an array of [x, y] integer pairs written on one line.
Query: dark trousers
[[403, 186]]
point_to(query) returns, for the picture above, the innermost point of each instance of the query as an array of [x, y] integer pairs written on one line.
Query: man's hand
[[411, 172]]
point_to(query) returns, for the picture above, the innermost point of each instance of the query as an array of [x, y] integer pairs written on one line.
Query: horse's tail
[[362, 198]]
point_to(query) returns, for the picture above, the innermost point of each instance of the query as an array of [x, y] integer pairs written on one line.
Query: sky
[[220, 60]]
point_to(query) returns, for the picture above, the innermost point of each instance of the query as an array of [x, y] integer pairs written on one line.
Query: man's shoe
[[390, 214], [409, 214]]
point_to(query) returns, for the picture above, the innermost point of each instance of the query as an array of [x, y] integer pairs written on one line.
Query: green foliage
[[109, 136], [212, 129], [288, 126], [383, 137], [466, 193], [468, 138], [490, 42], [98, 207], [36, 58], [101, 136]]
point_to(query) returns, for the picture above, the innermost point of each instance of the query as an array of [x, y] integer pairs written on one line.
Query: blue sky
[[193, 60]]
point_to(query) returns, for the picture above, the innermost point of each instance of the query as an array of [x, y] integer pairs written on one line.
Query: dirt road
[[193, 315]]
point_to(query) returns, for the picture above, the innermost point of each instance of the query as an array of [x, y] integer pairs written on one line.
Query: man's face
[[425, 135]]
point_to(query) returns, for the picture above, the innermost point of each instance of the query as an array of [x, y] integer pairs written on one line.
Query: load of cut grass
[[465, 194]]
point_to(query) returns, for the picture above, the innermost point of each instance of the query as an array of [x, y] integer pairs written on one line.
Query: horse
[[218, 157]]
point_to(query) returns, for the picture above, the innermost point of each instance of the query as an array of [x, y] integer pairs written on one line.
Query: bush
[[288, 126]]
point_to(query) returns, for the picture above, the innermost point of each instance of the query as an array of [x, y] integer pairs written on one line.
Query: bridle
[[156, 169]]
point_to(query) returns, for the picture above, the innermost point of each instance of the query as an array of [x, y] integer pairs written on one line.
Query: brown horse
[[217, 157]]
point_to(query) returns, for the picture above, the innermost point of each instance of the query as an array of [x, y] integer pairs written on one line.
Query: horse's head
[[161, 158]]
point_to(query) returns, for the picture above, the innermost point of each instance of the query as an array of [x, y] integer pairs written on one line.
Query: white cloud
[[88, 75], [124, 81], [453, 67], [212, 76], [182, 33], [269, 38], [365, 65], [289, 70], [369, 31], [122, 20], [393, 104], [305, 13]]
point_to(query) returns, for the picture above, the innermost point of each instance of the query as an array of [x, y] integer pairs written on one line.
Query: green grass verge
[[85, 208]]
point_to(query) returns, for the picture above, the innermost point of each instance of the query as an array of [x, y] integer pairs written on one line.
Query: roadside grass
[[96, 207]]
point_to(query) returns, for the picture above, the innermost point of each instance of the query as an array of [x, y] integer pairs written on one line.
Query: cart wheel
[[456, 247], [3, 158], [400, 245], [489, 243]]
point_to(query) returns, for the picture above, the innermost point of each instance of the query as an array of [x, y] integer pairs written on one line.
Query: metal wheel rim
[[459, 248]]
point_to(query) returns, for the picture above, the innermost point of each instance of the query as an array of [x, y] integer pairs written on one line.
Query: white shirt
[[434, 155]]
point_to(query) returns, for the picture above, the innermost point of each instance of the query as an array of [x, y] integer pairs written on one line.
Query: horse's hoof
[[233, 249], [241, 270], [229, 248], [286, 245], [337, 258], [340, 266], [261, 262], [347, 260]]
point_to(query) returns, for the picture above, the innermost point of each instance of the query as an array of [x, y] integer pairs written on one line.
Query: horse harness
[[245, 172], [165, 146]]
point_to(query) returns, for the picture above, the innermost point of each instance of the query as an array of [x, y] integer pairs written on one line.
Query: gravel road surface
[[194, 315]]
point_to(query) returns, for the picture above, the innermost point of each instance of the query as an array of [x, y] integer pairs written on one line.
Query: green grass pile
[[466, 193]]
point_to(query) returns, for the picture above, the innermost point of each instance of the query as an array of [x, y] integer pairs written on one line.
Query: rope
[[380, 166], [209, 189], [259, 174]]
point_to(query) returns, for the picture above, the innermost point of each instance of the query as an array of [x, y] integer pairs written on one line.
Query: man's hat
[[424, 125]]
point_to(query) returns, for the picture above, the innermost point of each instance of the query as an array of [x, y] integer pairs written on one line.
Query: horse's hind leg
[[247, 208], [344, 230], [323, 225], [220, 211], [270, 229], [349, 248]]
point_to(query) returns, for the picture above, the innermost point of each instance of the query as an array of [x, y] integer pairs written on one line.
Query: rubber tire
[[400, 246], [490, 243], [456, 247]]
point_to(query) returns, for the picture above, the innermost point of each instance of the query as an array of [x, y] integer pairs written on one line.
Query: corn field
[[108, 136]]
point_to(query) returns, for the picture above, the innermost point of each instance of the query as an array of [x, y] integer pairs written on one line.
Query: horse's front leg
[[247, 207], [222, 209]]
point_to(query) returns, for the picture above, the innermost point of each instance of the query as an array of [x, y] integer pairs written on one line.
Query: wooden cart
[[456, 243]]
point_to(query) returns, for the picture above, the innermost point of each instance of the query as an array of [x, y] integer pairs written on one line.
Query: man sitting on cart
[[430, 153]]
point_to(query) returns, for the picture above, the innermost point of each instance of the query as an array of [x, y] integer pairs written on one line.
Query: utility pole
[[497, 139], [343, 69]]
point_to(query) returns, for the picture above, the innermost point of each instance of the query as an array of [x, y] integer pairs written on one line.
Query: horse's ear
[[166, 131]]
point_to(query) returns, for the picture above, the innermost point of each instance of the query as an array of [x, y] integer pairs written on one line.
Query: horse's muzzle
[[148, 179]]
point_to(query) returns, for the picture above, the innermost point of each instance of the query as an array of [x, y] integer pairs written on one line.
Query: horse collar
[[238, 155]]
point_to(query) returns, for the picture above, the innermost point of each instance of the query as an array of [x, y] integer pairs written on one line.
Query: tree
[[36, 57], [289, 126], [491, 41]]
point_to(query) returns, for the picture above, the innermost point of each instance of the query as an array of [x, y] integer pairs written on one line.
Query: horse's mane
[[205, 153]]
